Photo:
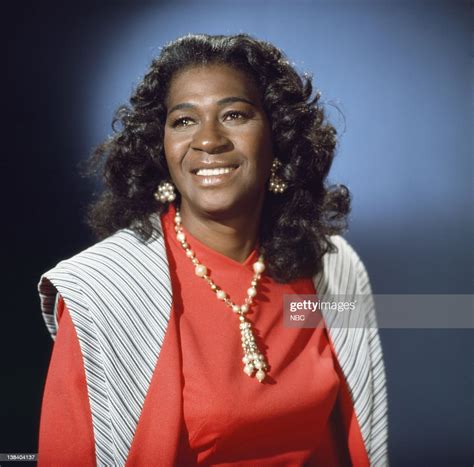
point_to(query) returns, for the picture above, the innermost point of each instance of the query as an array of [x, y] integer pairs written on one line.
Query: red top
[[201, 406]]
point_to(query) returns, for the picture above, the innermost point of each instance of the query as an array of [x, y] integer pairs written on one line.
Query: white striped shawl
[[118, 293]]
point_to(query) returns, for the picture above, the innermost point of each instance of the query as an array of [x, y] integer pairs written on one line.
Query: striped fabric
[[118, 293], [357, 344]]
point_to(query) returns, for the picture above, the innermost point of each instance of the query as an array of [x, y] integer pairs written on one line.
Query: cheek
[[167, 149], [262, 149], [171, 148]]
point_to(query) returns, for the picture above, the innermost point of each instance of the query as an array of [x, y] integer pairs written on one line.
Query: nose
[[209, 138]]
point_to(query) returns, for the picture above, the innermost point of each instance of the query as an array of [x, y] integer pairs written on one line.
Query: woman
[[170, 347]]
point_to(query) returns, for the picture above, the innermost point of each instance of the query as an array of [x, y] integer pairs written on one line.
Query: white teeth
[[210, 172]]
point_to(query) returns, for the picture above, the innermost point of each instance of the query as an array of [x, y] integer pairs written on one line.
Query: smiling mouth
[[205, 172]]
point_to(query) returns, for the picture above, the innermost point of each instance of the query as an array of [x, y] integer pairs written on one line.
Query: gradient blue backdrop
[[401, 74]]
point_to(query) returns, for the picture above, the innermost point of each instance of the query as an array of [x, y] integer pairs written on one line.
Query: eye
[[236, 115], [182, 122]]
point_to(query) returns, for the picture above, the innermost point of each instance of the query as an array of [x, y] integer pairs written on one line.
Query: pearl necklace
[[253, 358]]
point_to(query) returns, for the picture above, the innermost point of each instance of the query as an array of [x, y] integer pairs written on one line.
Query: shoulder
[[111, 263], [118, 252], [344, 252], [124, 245], [342, 269], [349, 256]]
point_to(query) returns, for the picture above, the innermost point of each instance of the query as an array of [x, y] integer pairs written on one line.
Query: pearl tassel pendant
[[253, 358]]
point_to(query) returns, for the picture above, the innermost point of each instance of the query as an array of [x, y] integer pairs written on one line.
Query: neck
[[234, 237]]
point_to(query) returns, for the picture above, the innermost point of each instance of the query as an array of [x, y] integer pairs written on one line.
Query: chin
[[221, 205]]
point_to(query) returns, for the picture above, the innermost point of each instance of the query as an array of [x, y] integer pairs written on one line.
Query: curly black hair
[[295, 226]]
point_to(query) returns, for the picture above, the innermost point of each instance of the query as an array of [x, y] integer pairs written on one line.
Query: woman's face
[[217, 141]]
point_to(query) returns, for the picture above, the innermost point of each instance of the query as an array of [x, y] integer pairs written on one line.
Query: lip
[[214, 180], [213, 165]]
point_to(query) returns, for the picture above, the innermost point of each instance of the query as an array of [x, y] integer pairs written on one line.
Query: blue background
[[400, 73]]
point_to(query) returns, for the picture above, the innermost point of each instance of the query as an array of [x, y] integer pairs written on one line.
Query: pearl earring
[[277, 184], [165, 192]]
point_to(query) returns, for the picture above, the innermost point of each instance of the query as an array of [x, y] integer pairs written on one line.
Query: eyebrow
[[221, 102]]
